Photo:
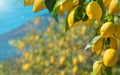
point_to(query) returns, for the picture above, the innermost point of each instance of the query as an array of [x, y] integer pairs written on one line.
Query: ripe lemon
[[97, 46], [71, 4], [28, 2], [114, 8], [38, 5], [75, 61], [107, 29], [71, 19], [117, 31], [62, 60], [60, 10], [26, 67], [110, 57], [106, 3], [97, 65], [75, 70], [94, 11], [113, 43]]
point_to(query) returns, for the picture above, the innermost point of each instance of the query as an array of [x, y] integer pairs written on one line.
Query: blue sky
[[13, 14]]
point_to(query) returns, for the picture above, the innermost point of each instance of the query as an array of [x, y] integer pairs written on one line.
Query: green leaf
[[108, 70], [91, 24], [66, 24], [92, 41], [55, 14], [80, 13], [119, 3], [58, 3], [50, 4]]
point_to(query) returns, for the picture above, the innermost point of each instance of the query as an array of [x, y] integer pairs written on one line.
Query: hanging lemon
[[28, 2], [107, 30], [94, 11], [114, 7], [38, 5], [110, 57], [71, 19]]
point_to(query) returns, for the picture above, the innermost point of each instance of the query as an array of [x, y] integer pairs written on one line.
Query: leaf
[[66, 24], [91, 25], [108, 70], [50, 4], [55, 9], [80, 13], [93, 41], [58, 3], [119, 3]]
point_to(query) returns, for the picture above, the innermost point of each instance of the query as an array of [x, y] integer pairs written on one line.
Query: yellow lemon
[[97, 65], [117, 31], [107, 30], [52, 59], [110, 57], [71, 4], [106, 3], [71, 19], [113, 43], [38, 5], [28, 2], [75, 70], [26, 67], [114, 8], [75, 61], [97, 46], [94, 11], [62, 60]]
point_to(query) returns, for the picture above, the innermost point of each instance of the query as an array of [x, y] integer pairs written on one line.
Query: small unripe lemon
[[113, 43], [90, 10], [107, 30], [110, 57], [114, 7], [38, 5]]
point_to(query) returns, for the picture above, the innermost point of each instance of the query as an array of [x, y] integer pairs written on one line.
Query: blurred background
[[35, 44]]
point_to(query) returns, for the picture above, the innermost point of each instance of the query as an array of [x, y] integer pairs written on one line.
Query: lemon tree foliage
[[96, 15]]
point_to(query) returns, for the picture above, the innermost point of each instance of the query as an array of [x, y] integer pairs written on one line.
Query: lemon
[[75, 70], [97, 65], [62, 60], [110, 57], [113, 43], [97, 46], [26, 67], [71, 19], [107, 29], [71, 4], [38, 5], [113, 8], [117, 31], [75, 61], [106, 3], [94, 11], [52, 59], [60, 10], [28, 2]]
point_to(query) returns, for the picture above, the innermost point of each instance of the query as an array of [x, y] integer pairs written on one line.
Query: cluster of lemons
[[106, 46], [54, 53]]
